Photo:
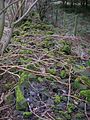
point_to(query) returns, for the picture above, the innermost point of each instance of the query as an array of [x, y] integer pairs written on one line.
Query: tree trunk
[[71, 3], [7, 34], [86, 3], [2, 18]]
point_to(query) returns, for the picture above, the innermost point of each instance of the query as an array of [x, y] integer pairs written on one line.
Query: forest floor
[[45, 75]]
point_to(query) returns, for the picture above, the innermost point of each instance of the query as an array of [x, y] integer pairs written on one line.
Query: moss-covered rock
[[21, 103], [20, 100]]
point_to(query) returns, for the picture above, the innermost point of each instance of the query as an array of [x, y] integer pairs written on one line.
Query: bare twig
[[74, 97], [4, 107], [26, 13], [8, 6], [58, 79], [35, 113], [7, 71], [69, 85], [85, 109], [18, 10], [2, 98]]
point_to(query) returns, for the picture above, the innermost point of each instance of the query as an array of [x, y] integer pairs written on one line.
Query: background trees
[[12, 12], [43, 5]]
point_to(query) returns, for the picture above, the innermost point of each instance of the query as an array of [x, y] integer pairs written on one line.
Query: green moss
[[42, 26], [16, 33], [25, 60], [26, 28], [50, 32], [70, 108], [79, 116], [85, 80], [58, 119], [23, 77], [63, 74], [27, 114], [57, 99], [27, 23], [26, 52], [66, 47], [81, 67], [88, 63], [21, 103], [48, 43], [20, 100], [85, 93], [26, 34], [67, 116], [48, 39], [76, 84], [40, 79], [17, 39], [52, 71]]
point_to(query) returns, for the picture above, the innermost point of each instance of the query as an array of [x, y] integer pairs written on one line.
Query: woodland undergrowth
[[43, 75]]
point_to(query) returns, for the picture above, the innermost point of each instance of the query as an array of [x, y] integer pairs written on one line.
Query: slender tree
[[2, 18]]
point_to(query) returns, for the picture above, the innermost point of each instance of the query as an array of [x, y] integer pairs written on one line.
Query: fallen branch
[[2, 98], [85, 109], [58, 79]]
